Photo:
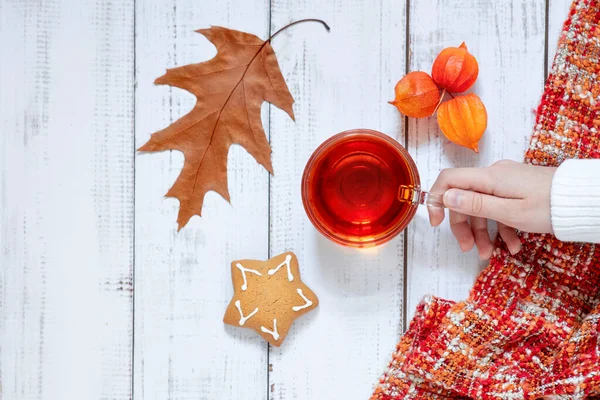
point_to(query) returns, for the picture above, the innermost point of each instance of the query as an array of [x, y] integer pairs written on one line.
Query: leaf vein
[[247, 113], [262, 61], [215, 72], [219, 119]]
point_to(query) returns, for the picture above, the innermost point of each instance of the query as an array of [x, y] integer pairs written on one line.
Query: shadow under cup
[[350, 188]]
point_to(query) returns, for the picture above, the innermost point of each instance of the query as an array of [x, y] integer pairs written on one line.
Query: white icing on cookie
[[288, 258], [243, 271], [274, 332], [247, 317], [308, 302]]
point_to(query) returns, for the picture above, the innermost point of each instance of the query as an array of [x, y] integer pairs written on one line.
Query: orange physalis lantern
[[455, 69], [417, 95], [463, 120]]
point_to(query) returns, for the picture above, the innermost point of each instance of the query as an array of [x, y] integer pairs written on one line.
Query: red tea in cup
[[361, 188]]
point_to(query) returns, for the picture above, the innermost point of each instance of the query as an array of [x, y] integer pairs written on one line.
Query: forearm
[[575, 201]]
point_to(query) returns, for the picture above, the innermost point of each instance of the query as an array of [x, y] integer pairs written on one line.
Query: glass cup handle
[[415, 195]]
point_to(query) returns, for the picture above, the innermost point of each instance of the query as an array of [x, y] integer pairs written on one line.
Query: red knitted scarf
[[531, 326]]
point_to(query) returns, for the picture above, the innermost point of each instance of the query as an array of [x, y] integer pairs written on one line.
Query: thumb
[[480, 205]]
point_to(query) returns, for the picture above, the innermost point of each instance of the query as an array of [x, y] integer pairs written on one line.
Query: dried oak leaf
[[230, 89]]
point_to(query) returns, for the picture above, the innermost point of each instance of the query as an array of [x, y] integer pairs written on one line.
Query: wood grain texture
[[507, 37], [341, 80], [66, 199], [182, 280]]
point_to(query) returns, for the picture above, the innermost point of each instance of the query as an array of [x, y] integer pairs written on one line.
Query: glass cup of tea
[[361, 188]]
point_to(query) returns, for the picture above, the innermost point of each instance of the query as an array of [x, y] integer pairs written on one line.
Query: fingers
[[510, 237], [482, 237], [482, 205], [475, 179], [474, 195], [473, 233], [478, 179], [476, 233], [462, 230], [470, 234], [436, 215]]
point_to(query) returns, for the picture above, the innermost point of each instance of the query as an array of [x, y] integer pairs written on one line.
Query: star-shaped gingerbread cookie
[[268, 296]]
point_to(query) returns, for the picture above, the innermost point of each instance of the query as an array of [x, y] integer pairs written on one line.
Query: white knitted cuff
[[575, 201]]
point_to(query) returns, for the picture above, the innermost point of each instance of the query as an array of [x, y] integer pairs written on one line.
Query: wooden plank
[[182, 280], [507, 37], [558, 10], [340, 80], [66, 199]]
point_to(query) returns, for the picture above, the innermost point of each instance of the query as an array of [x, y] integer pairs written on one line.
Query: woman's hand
[[513, 194]]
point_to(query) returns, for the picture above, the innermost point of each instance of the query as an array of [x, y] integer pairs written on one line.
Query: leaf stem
[[298, 22]]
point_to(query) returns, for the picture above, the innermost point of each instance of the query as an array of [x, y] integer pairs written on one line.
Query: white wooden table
[[101, 298]]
